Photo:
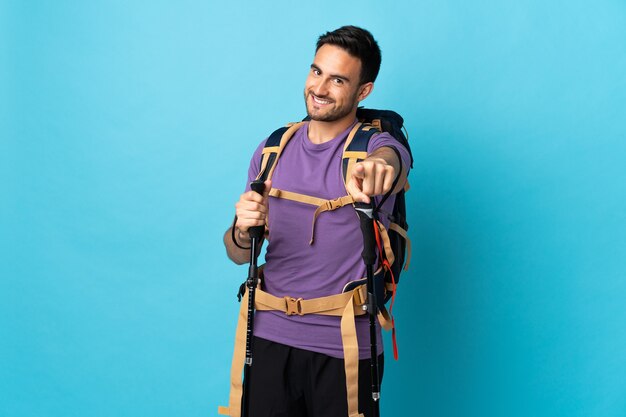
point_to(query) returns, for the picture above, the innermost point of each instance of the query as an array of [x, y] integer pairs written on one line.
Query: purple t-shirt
[[297, 269]]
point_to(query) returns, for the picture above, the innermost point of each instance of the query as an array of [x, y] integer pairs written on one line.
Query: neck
[[320, 132]]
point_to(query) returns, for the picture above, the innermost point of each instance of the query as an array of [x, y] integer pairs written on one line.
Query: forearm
[[235, 253]]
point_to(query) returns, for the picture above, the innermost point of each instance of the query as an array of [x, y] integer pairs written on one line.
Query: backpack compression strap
[[405, 236]]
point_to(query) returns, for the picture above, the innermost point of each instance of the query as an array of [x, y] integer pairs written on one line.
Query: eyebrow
[[341, 77]]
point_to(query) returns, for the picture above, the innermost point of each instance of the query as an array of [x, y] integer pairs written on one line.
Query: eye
[[338, 81], [316, 71]]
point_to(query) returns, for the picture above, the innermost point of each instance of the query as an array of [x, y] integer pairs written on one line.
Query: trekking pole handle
[[366, 216], [257, 186]]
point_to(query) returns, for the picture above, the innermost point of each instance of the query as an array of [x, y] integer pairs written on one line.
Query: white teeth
[[320, 101]]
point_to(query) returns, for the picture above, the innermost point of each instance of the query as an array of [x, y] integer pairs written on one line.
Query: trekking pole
[[366, 216], [256, 233]]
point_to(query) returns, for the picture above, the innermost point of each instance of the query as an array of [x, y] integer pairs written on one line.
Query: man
[[298, 359]]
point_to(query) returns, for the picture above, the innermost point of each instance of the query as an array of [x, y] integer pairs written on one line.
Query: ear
[[365, 90]]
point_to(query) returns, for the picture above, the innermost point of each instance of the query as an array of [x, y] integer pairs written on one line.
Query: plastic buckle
[[333, 204], [293, 306]]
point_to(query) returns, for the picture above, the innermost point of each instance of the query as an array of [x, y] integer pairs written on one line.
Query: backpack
[[371, 122]]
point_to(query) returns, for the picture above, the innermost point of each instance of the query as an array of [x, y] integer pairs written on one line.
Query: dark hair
[[360, 44]]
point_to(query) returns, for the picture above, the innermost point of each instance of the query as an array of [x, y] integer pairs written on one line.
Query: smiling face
[[332, 90]]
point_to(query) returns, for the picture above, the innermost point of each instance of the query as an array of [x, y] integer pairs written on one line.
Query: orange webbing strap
[[356, 157], [352, 157], [403, 233], [301, 198], [346, 305], [265, 156], [351, 135], [329, 206], [236, 368], [322, 205], [351, 358], [385, 319], [387, 266], [283, 142], [386, 243], [332, 305], [355, 154], [278, 150], [388, 315], [377, 124]]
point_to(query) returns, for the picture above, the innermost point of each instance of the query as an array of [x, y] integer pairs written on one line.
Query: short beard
[[331, 116]]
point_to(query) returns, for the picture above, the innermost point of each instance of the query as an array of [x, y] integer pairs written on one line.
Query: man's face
[[332, 88]]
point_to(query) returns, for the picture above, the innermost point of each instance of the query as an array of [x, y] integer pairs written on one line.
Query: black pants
[[290, 382]]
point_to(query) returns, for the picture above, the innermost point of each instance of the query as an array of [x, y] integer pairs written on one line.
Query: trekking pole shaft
[[251, 285], [374, 371], [256, 233], [366, 217]]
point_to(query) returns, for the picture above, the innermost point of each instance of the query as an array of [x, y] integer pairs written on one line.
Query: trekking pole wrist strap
[[234, 239]]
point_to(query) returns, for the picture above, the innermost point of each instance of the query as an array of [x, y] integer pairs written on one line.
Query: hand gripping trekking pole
[[256, 233], [366, 216]]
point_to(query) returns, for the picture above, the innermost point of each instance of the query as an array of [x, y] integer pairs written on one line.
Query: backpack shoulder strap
[[274, 147], [355, 149]]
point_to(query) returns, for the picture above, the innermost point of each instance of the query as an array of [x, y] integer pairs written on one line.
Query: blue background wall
[[125, 133]]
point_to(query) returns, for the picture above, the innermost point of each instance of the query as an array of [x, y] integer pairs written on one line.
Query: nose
[[320, 87]]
